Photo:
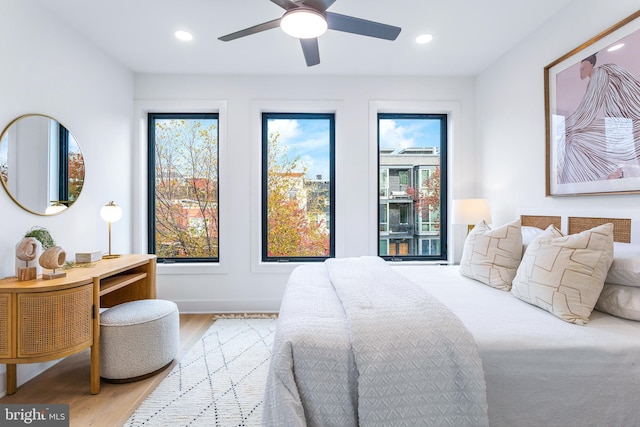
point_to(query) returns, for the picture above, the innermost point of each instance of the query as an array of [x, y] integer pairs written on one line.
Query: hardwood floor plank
[[69, 382]]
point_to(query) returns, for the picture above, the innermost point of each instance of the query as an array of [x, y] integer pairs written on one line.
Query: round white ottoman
[[138, 339]]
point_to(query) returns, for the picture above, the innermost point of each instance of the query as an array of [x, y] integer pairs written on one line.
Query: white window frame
[[286, 106], [141, 110], [454, 163]]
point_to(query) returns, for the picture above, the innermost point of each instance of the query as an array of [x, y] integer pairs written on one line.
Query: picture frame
[[592, 115]]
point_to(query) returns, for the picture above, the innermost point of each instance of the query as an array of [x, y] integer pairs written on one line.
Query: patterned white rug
[[219, 382]]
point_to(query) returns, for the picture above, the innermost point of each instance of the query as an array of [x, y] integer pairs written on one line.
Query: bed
[[524, 366]]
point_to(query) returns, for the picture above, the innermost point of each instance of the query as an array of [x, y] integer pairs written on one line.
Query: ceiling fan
[[308, 19]]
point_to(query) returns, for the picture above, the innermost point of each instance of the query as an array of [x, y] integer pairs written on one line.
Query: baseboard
[[25, 372]]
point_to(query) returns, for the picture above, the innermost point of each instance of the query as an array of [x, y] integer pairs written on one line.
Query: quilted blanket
[[359, 344]]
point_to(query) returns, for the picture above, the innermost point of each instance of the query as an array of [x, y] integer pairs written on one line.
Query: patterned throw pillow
[[492, 256], [565, 275]]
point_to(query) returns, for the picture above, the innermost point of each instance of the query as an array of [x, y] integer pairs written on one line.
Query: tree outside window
[[297, 187], [183, 187], [412, 185]]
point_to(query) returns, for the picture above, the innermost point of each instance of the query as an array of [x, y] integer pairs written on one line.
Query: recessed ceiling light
[[184, 35], [615, 47], [424, 38]]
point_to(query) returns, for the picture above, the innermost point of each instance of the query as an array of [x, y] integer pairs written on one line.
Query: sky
[[404, 133], [4, 144], [309, 138]]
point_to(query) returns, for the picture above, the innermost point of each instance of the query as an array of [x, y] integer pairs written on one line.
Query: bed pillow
[[625, 269], [528, 234], [619, 300], [492, 256], [565, 275]]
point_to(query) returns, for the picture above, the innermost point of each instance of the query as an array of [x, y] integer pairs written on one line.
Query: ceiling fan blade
[[328, 3], [251, 30], [320, 5], [311, 51], [349, 24], [285, 4]]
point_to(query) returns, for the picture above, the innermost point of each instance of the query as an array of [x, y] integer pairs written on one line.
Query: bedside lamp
[[110, 213], [471, 212]]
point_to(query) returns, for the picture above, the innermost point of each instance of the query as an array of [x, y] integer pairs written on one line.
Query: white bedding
[[358, 344], [540, 370], [416, 363]]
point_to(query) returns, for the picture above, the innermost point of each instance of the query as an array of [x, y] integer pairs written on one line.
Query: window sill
[[278, 267], [182, 268]]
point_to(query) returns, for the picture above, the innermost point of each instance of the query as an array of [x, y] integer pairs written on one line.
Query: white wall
[[47, 69], [242, 284], [510, 113]]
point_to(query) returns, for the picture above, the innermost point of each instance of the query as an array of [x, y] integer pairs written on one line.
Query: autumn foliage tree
[[76, 175], [296, 223], [426, 200], [186, 188]]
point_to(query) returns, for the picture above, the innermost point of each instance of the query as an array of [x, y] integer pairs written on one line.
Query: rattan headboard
[[621, 226], [541, 221]]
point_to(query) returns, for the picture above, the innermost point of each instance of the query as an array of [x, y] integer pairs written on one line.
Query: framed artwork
[[592, 111]]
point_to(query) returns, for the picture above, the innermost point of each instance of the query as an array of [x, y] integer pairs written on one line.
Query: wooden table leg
[[12, 378], [95, 370]]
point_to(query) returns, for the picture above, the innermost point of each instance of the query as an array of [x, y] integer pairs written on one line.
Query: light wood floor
[[68, 382]]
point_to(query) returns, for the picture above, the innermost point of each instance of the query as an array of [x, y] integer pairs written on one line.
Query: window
[[412, 186], [183, 187], [65, 153], [297, 187], [384, 182]]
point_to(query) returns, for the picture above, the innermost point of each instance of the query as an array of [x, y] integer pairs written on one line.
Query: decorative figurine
[[26, 251], [52, 259]]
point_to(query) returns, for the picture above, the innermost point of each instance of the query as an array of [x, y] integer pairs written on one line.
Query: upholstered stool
[[138, 339]]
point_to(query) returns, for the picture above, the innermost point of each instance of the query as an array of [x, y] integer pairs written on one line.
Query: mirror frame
[[5, 185]]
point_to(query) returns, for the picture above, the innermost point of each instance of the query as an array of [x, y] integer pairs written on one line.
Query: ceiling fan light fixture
[[303, 23]]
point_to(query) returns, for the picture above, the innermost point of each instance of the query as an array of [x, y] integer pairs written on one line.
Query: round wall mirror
[[41, 164]]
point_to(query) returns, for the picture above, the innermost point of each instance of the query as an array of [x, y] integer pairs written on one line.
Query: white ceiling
[[469, 35]]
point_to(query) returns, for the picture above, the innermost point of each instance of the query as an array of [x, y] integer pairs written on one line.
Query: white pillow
[[625, 269], [528, 234], [565, 275], [492, 256], [619, 300]]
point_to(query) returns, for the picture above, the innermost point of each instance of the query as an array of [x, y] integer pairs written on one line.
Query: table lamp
[[56, 207], [471, 212], [110, 213]]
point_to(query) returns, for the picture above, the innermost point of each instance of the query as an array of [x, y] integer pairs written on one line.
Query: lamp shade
[[471, 211], [303, 23], [111, 212], [55, 208]]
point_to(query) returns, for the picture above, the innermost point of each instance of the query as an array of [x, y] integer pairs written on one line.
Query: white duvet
[[540, 370], [359, 344]]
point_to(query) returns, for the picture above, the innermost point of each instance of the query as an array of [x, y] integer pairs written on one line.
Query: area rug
[[219, 382]]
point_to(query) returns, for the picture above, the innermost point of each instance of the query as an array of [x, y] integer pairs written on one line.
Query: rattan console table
[[43, 320]]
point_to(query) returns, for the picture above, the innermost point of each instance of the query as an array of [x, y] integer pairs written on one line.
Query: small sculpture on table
[[52, 259], [26, 251]]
